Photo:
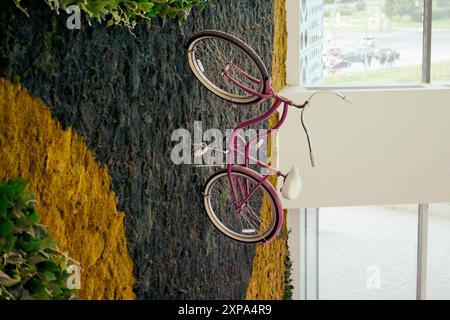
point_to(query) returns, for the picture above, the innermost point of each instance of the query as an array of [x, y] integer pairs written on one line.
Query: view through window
[[438, 275], [368, 252], [371, 252], [440, 43], [371, 42]]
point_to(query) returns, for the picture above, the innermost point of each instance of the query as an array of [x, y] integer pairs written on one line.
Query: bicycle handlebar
[[308, 101], [333, 92], [303, 107]]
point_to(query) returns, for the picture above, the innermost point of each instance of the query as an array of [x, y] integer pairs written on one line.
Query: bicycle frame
[[268, 94]]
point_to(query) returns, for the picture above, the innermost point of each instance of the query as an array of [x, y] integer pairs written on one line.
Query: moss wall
[[72, 190], [267, 281], [124, 95]]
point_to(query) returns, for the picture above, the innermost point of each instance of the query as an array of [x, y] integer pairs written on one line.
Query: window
[[440, 50], [372, 252], [438, 273], [368, 252], [355, 42]]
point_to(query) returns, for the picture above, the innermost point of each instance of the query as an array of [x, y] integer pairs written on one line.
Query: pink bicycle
[[239, 201]]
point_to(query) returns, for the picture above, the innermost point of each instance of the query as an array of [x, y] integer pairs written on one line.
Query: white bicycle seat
[[292, 186]]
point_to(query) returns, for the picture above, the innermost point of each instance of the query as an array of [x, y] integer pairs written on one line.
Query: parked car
[[330, 63], [333, 64], [367, 41], [335, 52], [358, 54], [345, 63], [353, 56], [366, 51]]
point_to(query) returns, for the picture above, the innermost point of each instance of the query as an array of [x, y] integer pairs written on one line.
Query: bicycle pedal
[[259, 144]]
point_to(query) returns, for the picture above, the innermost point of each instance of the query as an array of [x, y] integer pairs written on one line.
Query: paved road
[[408, 42]]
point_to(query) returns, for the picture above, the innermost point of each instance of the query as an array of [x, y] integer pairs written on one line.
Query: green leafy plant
[[288, 287], [31, 265], [127, 12]]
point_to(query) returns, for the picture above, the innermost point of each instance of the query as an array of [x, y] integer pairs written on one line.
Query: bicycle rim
[[258, 219], [209, 55]]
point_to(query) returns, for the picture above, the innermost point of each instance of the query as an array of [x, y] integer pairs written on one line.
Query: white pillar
[[304, 252], [422, 246]]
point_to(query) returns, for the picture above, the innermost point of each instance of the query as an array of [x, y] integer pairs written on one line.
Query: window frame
[[306, 220], [293, 17], [306, 272]]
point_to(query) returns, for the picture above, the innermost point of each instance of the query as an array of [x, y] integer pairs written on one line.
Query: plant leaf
[[47, 243], [13, 258], [6, 227], [33, 218], [48, 275], [7, 281]]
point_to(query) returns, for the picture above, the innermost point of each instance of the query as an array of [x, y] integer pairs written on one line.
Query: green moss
[[16, 80], [268, 276], [288, 287]]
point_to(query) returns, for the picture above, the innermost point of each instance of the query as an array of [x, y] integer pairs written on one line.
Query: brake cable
[[311, 156]]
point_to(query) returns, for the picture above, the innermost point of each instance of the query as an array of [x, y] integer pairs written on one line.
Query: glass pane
[[438, 282], [376, 42], [440, 43], [368, 252]]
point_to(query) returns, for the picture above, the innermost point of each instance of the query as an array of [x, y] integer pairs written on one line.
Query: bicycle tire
[[267, 235], [213, 87]]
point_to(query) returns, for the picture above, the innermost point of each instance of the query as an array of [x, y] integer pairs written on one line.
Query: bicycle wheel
[[258, 219], [210, 52]]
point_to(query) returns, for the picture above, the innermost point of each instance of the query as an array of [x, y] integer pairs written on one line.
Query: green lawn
[[360, 20], [405, 22], [357, 21], [410, 74]]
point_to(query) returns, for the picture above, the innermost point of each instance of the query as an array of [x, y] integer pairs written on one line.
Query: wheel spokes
[[255, 219], [212, 55]]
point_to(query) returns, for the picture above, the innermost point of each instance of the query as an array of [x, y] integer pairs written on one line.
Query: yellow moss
[[72, 191], [280, 45], [267, 280]]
